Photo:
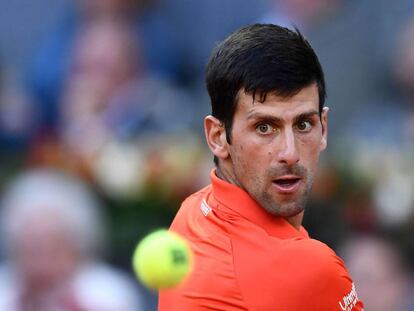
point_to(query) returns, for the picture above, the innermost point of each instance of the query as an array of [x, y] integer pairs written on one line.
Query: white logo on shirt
[[350, 300], [205, 209]]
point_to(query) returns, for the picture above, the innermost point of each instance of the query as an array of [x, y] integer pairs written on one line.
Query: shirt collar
[[234, 200]]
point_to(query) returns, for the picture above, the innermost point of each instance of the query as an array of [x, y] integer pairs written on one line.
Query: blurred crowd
[[101, 138]]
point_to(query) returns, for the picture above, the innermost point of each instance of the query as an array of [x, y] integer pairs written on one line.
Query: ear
[[324, 121], [216, 137]]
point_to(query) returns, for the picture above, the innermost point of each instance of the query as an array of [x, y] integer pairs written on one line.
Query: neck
[[296, 221], [226, 175]]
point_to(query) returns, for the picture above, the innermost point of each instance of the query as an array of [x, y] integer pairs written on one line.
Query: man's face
[[44, 253], [275, 149]]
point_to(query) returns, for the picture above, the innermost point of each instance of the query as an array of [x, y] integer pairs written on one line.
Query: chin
[[292, 213], [285, 210]]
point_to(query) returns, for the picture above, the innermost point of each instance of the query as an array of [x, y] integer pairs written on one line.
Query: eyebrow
[[258, 115], [306, 115]]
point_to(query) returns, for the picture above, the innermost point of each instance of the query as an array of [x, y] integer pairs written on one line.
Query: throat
[[227, 175], [296, 221]]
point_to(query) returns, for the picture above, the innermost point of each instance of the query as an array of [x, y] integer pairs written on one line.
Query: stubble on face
[[278, 205], [258, 161]]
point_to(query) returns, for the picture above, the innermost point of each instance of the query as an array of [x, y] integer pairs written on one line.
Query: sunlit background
[[101, 107]]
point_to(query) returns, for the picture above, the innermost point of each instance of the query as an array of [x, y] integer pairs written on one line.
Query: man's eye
[[304, 126], [264, 128]]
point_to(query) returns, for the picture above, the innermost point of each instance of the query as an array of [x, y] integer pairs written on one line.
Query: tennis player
[[267, 129]]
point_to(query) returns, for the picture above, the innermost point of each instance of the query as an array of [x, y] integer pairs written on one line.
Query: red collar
[[233, 200]]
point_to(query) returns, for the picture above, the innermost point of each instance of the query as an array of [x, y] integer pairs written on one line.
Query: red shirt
[[247, 259]]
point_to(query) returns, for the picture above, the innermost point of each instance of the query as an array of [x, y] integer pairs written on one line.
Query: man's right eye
[[264, 128]]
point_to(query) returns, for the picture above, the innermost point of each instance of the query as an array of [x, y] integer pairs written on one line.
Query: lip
[[288, 184]]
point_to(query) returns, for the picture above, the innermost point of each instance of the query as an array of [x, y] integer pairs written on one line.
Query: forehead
[[306, 100]]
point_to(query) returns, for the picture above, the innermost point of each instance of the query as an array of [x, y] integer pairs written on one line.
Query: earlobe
[[216, 137], [324, 121], [324, 143]]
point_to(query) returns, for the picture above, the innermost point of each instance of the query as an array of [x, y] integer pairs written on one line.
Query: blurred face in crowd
[[274, 150], [100, 8], [309, 12], [381, 275], [104, 59], [404, 60], [44, 253]]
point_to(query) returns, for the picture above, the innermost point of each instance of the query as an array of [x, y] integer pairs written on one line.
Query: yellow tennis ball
[[162, 259]]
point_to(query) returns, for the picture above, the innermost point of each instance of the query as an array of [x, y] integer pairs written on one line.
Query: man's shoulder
[[197, 196], [310, 259], [311, 249], [303, 257], [325, 272], [192, 215], [295, 270]]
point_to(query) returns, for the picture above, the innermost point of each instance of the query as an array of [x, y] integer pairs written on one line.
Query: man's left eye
[[264, 128], [304, 126]]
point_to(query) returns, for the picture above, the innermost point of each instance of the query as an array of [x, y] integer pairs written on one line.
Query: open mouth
[[287, 184]]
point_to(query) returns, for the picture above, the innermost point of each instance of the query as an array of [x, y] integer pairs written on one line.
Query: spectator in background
[[404, 77], [199, 25], [52, 230], [109, 102], [395, 114], [384, 281], [16, 114], [54, 58], [109, 84], [382, 139], [305, 14]]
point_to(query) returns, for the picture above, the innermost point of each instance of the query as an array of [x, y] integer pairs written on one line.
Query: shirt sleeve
[[295, 275], [338, 292]]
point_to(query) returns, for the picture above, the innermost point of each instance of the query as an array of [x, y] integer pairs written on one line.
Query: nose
[[288, 152]]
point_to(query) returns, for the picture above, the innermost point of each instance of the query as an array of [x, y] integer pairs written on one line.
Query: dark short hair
[[260, 58]]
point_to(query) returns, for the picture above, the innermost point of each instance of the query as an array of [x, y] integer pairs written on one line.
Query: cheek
[[248, 156], [259, 160], [310, 148]]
